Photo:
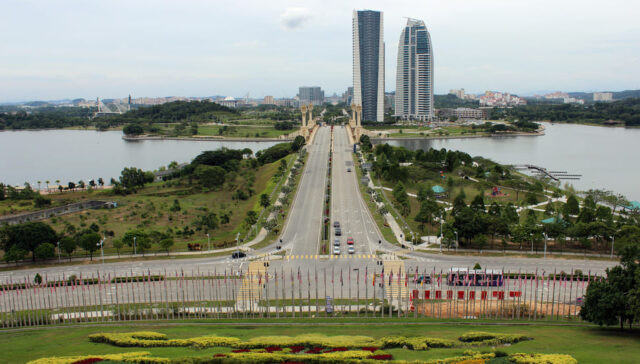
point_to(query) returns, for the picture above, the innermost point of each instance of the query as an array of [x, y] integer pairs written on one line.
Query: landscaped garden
[[323, 343]]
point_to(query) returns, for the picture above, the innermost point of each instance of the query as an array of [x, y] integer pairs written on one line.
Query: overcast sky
[[54, 49]]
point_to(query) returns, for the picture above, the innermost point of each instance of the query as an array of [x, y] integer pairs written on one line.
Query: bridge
[[554, 175]]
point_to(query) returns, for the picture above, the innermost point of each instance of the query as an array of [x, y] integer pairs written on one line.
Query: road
[[347, 206], [301, 234]]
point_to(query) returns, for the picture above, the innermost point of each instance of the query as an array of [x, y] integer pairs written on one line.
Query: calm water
[[72, 155], [605, 157]]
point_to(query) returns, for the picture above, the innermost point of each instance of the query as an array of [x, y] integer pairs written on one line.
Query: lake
[[73, 155], [604, 156]]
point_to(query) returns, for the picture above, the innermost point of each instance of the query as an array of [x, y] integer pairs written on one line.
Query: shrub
[[521, 358]]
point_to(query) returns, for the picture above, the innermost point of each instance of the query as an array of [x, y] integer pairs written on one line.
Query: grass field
[[150, 209], [585, 343], [243, 131]]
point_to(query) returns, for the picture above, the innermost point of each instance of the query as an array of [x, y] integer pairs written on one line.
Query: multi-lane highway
[[347, 207], [301, 235]]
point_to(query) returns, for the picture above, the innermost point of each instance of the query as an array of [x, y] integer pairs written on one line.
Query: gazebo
[[634, 206], [439, 191], [554, 220]]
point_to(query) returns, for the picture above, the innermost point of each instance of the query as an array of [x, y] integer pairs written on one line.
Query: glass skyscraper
[[414, 79], [368, 64]]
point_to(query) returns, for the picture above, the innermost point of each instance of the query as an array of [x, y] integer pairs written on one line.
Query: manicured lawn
[[243, 131], [585, 343]]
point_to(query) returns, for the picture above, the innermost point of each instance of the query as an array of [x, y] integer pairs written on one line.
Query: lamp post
[[531, 235], [545, 245], [238, 242], [101, 245], [208, 242], [613, 240], [134, 246], [58, 243], [456, 240]]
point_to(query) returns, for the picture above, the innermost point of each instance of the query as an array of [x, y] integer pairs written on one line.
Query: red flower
[[272, 349], [314, 350], [370, 348], [296, 348], [333, 350], [220, 356], [240, 351], [381, 357], [88, 361]]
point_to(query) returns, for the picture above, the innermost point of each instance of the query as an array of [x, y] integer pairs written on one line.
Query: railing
[[278, 293]]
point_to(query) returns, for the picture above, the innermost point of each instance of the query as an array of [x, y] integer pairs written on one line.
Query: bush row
[[132, 357], [487, 338], [151, 339], [520, 358]]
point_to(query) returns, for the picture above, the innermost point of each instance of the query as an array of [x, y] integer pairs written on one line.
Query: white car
[[351, 249], [336, 242], [336, 250]]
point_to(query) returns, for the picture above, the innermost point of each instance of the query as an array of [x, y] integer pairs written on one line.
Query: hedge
[[141, 357], [521, 358], [487, 338]]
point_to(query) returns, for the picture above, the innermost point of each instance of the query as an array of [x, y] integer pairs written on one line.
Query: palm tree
[[58, 183], [47, 182], [39, 185]]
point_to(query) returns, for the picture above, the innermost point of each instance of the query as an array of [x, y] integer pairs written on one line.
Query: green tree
[[14, 254], [140, 238], [89, 242], [133, 178], [166, 244], [27, 236], [571, 207], [45, 251], [117, 245], [429, 210], [68, 245], [132, 129], [251, 218], [37, 279], [511, 214], [611, 301], [298, 143], [478, 203], [210, 176], [264, 200]]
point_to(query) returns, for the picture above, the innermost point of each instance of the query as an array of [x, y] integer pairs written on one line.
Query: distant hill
[[452, 101], [617, 95]]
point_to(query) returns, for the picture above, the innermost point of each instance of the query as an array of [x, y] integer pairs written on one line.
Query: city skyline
[[73, 49]]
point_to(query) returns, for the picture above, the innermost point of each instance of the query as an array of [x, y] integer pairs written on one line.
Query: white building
[[602, 96], [414, 78]]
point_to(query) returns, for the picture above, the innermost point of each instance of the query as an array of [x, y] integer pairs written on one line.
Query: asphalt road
[[301, 234], [347, 207]]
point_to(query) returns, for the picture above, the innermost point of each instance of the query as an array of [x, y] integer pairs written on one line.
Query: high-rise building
[[602, 96], [268, 100], [414, 79], [311, 95], [368, 63]]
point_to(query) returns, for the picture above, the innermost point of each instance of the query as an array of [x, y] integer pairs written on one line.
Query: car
[[336, 242], [336, 250], [350, 241], [338, 232], [351, 249], [423, 279], [348, 169], [336, 224], [238, 254]]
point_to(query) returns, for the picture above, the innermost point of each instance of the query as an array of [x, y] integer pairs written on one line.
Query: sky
[[57, 49]]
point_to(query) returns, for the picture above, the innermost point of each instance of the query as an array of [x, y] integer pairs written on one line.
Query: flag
[[390, 276]]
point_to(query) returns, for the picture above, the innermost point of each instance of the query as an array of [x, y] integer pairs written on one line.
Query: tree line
[[626, 111]]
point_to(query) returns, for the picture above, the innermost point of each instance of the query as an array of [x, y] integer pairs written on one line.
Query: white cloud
[[294, 18]]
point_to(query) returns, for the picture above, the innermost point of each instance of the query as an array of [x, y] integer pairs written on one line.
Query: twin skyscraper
[[414, 79]]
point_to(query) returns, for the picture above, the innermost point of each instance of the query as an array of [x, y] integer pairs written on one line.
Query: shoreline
[[203, 138], [429, 137]]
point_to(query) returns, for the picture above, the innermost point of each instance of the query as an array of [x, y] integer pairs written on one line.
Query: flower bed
[[521, 358]]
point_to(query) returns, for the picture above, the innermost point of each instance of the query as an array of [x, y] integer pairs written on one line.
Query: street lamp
[[456, 240], [101, 245], [58, 243], [208, 242], [531, 235], [613, 240], [545, 245], [134, 246], [238, 241]]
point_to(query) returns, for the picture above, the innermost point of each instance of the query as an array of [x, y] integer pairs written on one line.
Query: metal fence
[[261, 291]]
